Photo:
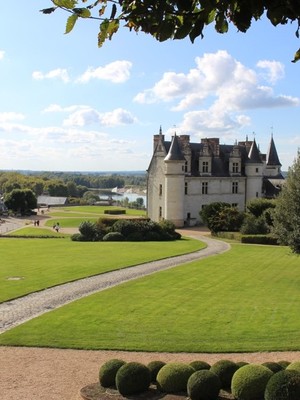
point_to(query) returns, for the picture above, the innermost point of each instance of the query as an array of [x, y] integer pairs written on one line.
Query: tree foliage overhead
[[177, 19]]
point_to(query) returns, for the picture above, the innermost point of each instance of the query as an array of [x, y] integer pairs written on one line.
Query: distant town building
[[183, 177], [46, 201]]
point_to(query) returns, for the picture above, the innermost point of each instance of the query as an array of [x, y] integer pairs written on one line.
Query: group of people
[[36, 222]]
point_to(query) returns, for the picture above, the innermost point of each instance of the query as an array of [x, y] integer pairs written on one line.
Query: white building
[[183, 176]]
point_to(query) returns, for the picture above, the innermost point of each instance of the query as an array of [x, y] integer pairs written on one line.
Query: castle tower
[[174, 184], [254, 173], [273, 165]]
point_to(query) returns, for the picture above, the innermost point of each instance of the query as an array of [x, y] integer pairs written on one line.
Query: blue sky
[[67, 105]]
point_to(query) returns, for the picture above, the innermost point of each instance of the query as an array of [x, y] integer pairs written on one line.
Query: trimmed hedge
[[114, 212], [284, 385], [199, 365], [173, 377], [225, 370], [108, 372], [294, 366], [133, 378], [203, 385], [154, 368], [273, 366], [259, 239], [249, 382]]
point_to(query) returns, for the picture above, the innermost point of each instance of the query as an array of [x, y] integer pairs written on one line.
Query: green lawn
[[247, 299], [99, 210], [43, 263], [70, 222], [37, 232]]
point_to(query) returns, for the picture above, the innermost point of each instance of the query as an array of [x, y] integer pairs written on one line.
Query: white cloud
[[87, 116], [58, 73], [274, 70], [11, 116], [2, 54], [220, 79], [116, 72]]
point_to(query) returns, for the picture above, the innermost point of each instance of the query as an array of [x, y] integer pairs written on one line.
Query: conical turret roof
[[272, 156], [175, 153], [254, 155]]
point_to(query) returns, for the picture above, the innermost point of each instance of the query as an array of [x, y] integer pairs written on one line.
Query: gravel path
[[15, 312]]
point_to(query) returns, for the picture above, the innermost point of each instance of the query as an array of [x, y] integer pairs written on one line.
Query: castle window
[[160, 189], [205, 166], [186, 188], [186, 167], [235, 205], [235, 187], [235, 167], [256, 170], [160, 212], [204, 187]]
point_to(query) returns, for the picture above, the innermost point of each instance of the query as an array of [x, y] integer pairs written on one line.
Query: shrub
[[294, 366], [88, 230], [114, 212], [113, 237], [198, 365], [254, 225], [154, 367], [284, 385], [260, 239], [203, 385], [132, 378], [108, 371], [273, 366], [225, 370], [78, 237], [241, 363], [173, 377], [135, 237], [283, 363], [249, 382]]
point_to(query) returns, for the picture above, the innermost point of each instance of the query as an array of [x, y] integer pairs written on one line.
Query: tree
[[20, 200], [220, 216], [286, 217], [177, 19]]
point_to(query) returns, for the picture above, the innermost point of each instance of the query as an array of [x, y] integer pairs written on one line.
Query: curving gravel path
[[15, 312]]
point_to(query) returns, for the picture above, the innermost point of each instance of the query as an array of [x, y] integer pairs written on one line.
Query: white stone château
[[183, 176]]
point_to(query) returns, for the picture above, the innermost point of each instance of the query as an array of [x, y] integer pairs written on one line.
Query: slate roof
[[175, 153], [272, 156], [51, 200]]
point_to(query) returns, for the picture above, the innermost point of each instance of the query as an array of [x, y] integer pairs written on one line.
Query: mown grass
[[99, 210], [70, 222], [44, 263], [247, 299], [37, 232]]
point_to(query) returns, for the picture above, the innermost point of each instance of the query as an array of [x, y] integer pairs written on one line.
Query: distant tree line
[[65, 184]]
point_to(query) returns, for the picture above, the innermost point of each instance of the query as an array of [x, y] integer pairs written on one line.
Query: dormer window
[[235, 168], [205, 166]]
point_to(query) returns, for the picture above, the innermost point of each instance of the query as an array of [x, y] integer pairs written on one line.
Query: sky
[[66, 105]]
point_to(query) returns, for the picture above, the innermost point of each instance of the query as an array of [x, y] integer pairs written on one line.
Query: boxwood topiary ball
[[225, 370], [133, 378], [284, 363], [154, 367], [294, 366], [273, 366], [249, 382], [108, 371], [203, 385], [199, 365], [173, 377], [284, 385]]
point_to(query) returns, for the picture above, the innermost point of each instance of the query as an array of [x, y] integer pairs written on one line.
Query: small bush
[[154, 367], [173, 377], [283, 363], [133, 378], [199, 365], [88, 230], [249, 382], [241, 363], [78, 237], [273, 366], [295, 366], [114, 212], [203, 385], [225, 370], [113, 237], [260, 239], [284, 385], [108, 372]]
